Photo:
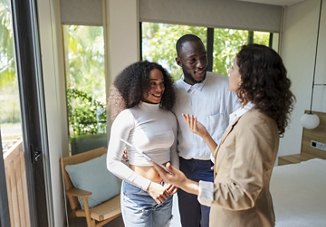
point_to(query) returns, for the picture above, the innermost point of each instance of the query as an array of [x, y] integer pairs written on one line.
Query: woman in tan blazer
[[245, 157]]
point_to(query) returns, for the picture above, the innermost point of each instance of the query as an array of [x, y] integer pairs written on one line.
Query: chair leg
[[90, 222]]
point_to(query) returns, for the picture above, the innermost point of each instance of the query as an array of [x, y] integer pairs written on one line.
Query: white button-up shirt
[[212, 103]]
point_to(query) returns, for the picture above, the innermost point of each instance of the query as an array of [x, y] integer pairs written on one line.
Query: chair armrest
[[78, 192]]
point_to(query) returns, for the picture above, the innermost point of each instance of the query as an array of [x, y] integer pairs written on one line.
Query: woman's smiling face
[[156, 87]]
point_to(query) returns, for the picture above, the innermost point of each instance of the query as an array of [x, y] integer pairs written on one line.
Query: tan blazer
[[244, 162]]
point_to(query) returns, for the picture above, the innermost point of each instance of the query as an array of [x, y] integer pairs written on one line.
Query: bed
[[299, 194]]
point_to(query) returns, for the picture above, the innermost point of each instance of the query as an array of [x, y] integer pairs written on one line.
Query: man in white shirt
[[205, 95]]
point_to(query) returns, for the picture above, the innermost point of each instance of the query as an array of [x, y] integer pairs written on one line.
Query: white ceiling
[[274, 2]]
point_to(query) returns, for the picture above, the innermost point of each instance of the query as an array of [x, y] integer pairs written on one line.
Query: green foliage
[[10, 109], [7, 61], [261, 38], [227, 42], [84, 48], [9, 100], [85, 115], [85, 82]]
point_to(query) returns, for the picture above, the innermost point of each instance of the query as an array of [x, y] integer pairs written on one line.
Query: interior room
[[300, 38]]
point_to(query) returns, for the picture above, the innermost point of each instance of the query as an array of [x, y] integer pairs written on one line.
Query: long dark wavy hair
[[134, 81], [265, 83]]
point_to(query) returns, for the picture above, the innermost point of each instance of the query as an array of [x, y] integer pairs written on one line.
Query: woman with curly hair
[[147, 123], [244, 159]]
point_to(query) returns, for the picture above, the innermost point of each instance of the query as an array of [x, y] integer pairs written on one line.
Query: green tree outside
[[10, 109], [85, 81]]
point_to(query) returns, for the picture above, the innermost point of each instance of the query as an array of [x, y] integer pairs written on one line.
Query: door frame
[[30, 81]]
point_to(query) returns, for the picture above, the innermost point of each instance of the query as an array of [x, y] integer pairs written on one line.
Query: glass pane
[[227, 43], [85, 86], [261, 38], [11, 125], [158, 43], [10, 117]]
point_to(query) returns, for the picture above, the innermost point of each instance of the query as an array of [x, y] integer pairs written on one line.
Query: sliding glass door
[[23, 140]]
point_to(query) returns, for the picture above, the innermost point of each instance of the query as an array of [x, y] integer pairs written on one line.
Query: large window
[[85, 86], [158, 44]]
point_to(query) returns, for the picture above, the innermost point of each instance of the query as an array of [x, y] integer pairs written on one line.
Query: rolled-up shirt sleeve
[[205, 193]]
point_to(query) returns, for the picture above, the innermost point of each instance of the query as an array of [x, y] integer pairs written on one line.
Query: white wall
[[122, 35], [298, 40]]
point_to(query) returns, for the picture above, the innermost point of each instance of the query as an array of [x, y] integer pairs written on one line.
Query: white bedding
[[299, 194]]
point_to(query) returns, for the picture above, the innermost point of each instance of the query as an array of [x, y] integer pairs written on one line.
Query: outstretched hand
[[176, 177], [195, 126], [170, 188], [199, 129]]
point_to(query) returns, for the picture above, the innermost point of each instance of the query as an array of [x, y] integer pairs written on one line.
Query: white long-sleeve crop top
[[150, 129]]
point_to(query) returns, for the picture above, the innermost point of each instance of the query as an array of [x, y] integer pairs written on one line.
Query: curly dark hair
[[265, 83], [134, 81]]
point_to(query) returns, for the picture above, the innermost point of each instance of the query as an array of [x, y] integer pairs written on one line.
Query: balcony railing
[[15, 170]]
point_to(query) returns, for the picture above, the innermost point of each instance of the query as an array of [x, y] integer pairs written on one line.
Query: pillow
[[93, 176]]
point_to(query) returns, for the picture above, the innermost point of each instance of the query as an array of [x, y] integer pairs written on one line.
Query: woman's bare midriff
[[148, 172]]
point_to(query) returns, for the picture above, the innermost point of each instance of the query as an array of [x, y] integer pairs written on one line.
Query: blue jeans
[[139, 209], [192, 213]]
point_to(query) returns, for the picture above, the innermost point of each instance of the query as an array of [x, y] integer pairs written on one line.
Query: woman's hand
[[158, 192], [195, 126], [170, 188], [177, 178], [199, 129]]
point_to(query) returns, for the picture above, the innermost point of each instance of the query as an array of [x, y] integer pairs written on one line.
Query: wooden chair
[[98, 215]]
